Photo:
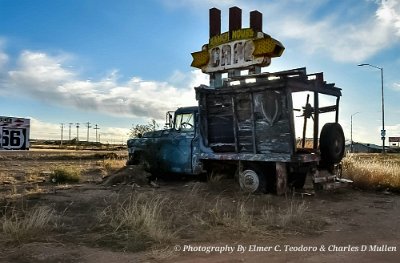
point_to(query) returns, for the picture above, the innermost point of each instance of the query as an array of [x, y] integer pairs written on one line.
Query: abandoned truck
[[246, 124], [249, 129]]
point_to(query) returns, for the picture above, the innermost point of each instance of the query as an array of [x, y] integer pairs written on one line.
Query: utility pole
[[383, 131], [77, 132], [351, 131], [88, 127], [70, 125], [62, 134], [96, 128]]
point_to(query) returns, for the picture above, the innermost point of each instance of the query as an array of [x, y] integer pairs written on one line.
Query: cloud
[[349, 32], [45, 77], [389, 14], [43, 130], [3, 60], [396, 86], [393, 130], [340, 36]]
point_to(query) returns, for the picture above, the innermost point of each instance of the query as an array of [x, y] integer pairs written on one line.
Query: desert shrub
[[66, 175], [20, 226]]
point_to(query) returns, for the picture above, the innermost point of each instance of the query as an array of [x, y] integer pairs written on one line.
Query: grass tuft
[[66, 175], [19, 227]]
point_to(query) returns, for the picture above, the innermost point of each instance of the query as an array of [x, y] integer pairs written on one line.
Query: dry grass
[[19, 226], [292, 215], [148, 220], [141, 219], [112, 164], [373, 171], [218, 216]]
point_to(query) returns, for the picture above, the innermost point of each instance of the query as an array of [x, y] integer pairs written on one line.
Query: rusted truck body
[[247, 127], [250, 121]]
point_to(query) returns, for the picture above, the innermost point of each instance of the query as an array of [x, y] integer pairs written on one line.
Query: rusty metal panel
[[277, 157]]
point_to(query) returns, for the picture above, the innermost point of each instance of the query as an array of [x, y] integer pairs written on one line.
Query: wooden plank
[[253, 122], [316, 120], [234, 126], [337, 110], [289, 101]]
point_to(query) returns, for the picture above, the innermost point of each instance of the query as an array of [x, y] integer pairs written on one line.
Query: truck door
[[181, 151]]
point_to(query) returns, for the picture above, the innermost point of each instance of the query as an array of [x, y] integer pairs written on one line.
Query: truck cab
[[169, 150]]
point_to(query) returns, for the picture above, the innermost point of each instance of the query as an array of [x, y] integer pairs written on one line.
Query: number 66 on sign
[[14, 133]]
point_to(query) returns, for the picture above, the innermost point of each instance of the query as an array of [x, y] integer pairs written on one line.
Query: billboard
[[394, 139], [14, 133]]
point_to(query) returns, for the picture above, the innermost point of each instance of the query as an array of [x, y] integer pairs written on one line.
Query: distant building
[[364, 148]]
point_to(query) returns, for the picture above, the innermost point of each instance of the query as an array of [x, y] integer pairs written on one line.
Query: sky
[[118, 63]]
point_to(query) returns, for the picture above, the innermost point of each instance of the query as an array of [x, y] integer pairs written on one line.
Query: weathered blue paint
[[170, 150]]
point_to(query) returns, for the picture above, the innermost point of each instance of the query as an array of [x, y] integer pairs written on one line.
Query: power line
[[77, 132], [62, 133], [88, 127], [70, 125], [96, 128]]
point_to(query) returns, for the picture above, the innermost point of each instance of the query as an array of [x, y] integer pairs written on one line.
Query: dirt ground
[[360, 226]]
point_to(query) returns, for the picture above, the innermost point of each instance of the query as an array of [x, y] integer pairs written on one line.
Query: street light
[[351, 131], [383, 132]]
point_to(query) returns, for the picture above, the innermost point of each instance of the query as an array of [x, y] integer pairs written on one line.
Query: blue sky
[[118, 63]]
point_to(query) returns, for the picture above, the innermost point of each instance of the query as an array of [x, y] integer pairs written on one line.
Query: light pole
[[351, 131], [383, 131]]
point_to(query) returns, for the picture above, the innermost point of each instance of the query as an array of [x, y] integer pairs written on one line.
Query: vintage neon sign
[[237, 49]]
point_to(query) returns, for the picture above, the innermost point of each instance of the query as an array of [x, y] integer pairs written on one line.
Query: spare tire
[[332, 143]]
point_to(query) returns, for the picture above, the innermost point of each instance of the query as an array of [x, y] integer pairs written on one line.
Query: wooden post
[[256, 21], [281, 178], [235, 18]]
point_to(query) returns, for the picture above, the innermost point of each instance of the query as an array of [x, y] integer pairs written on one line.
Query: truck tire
[[252, 180], [332, 143]]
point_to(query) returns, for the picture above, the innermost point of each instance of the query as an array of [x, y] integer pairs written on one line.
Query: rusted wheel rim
[[249, 181]]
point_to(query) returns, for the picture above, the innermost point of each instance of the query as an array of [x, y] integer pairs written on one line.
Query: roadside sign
[[14, 133], [239, 48]]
